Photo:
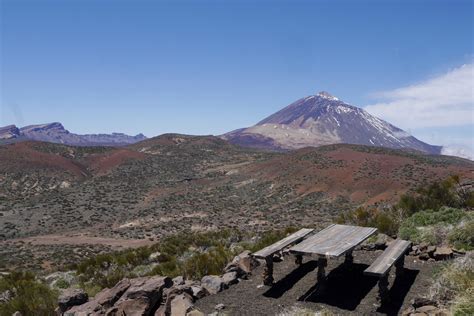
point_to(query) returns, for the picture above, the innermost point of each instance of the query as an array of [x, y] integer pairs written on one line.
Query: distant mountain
[[9, 132], [56, 133], [323, 119]]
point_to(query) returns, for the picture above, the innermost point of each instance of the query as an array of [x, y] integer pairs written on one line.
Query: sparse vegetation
[[454, 285], [433, 226], [192, 255], [29, 296], [384, 220], [436, 195]]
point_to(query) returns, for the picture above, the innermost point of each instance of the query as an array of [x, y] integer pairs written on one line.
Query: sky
[[208, 67]]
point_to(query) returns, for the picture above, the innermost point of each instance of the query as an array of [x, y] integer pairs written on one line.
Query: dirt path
[[348, 291], [82, 239]]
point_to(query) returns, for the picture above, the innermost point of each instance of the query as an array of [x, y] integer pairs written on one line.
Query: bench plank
[[334, 240], [281, 244], [384, 262]]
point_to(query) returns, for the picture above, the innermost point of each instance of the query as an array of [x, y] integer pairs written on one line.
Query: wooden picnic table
[[333, 241]]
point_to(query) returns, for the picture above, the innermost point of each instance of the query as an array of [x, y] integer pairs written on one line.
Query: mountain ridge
[[56, 133]]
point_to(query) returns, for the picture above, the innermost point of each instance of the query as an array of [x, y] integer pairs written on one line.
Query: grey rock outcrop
[[140, 296]]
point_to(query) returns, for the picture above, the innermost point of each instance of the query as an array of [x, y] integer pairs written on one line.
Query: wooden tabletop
[[334, 240], [285, 242]]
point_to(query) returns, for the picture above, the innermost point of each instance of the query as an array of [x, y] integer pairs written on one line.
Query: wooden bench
[[393, 255], [268, 252]]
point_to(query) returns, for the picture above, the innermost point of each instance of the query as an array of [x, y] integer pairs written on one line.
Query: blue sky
[[207, 67]]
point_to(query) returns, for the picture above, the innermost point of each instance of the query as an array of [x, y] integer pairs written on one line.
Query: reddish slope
[[363, 174], [26, 156]]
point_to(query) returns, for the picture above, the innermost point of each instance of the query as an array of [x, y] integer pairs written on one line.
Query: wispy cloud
[[446, 100]]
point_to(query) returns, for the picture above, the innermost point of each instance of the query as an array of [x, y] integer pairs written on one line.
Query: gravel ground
[[348, 290]]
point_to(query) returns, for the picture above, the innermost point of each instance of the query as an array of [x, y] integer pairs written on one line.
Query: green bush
[[31, 297], [462, 237], [383, 220], [428, 225], [436, 195]]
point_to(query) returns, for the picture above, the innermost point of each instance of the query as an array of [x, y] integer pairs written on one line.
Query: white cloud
[[446, 100], [458, 151]]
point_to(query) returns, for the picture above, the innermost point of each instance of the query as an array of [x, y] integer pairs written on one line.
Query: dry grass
[[454, 286]]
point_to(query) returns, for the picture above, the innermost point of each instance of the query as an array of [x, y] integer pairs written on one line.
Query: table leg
[[349, 259], [322, 264], [298, 260], [268, 271]]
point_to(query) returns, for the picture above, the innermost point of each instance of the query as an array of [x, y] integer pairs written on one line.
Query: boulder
[[423, 246], [431, 250], [179, 280], [199, 291], [230, 278], [143, 295], [70, 298], [181, 304], [443, 253], [428, 309], [424, 256], [195, 312], [128, 297], [243, 264], [422, 301], [213, 284]]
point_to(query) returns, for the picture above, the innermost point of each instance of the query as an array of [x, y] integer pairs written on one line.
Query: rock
[[443, 253], [424, 256], [430, 250], [408, 311], [6, 296], [199, 291], [70, 298], [110, 296], [230, 278], [128, 297], [195, 312], [423, 246], [17, 313], [213, 284], [422, 301], [179, 280], [181, 304], [426, 309], [219, 307], [418, 314], [143, 295], [244, 263], [382, 241]]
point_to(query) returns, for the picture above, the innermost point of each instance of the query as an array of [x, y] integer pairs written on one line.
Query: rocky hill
[[56, 133], [323, 119], [52, 194]]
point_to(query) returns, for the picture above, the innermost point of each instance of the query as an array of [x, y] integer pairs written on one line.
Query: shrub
[[384, 220], [431, 226], [31, 297], [436, 195], [462, 237]]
